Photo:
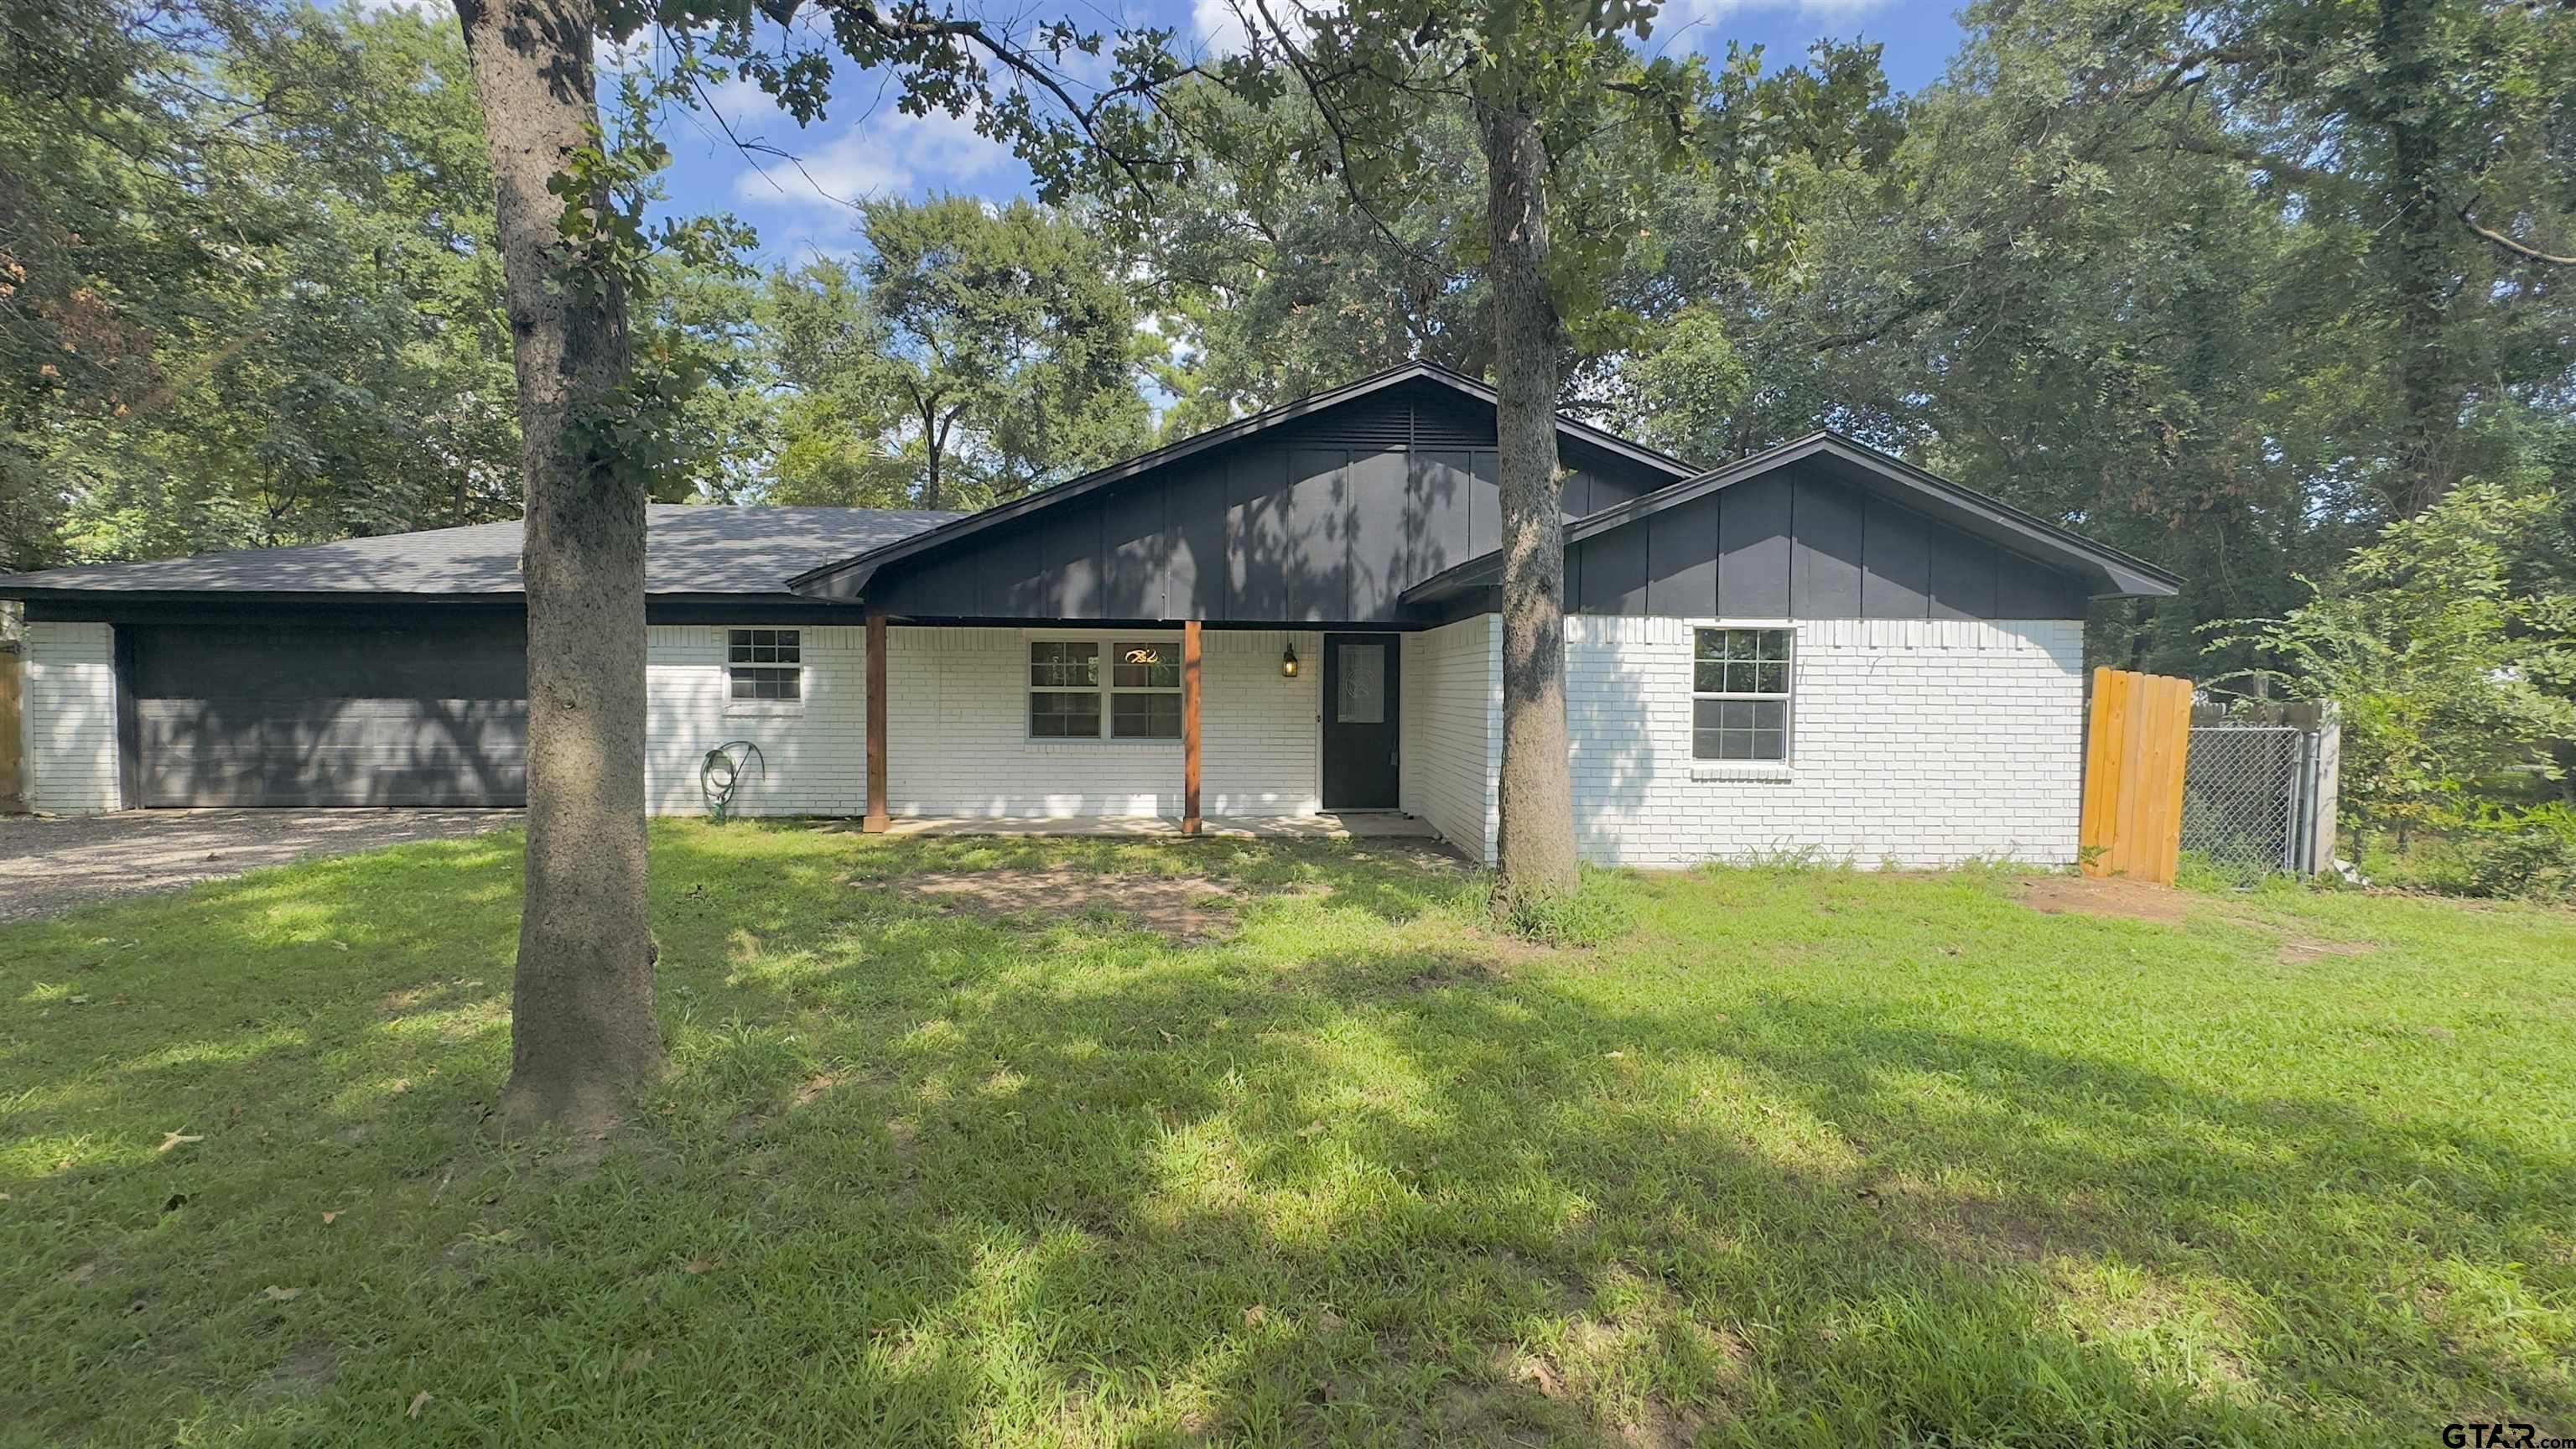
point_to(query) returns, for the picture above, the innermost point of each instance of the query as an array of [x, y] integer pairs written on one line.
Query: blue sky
[[864, 148]]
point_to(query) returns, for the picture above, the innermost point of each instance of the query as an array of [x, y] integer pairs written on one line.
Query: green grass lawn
[[1810, 1157]]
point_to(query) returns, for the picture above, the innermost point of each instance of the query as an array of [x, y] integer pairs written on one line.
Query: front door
[[1360, 721]]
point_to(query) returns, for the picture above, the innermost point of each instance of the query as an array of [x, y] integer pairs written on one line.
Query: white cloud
[[1216, 26], [1678, 14], [887, 153], [1219, 29]]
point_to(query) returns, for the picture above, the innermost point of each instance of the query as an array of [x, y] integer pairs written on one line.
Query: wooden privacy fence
[[2134, 748]]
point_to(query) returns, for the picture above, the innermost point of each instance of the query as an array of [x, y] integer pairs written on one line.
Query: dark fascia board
[[848, 577], [1164, 626], [228, 598], [2121, 575], [58, 604]]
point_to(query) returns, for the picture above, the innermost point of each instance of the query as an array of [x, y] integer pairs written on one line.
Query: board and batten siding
[[1324, 520], [1453, 731], [1803, 544], [70, 717], [1913, 742], [957, 739]]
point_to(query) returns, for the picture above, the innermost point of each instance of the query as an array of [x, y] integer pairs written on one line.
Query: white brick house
[[1818, 650]]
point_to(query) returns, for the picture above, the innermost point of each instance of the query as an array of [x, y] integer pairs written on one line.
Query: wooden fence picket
[[2135, 744]]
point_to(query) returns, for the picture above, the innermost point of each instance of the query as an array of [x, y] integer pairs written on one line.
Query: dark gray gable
[[1823, 528], [1324, 511]]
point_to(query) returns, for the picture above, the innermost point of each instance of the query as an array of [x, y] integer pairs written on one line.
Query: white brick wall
[[1453, 731], [815, 751], [1914, 741], [1923, 743], [69, 704], [957, 733], [957, 730]]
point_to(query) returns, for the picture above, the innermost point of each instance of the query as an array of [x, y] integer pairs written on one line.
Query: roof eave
[[60, 594]]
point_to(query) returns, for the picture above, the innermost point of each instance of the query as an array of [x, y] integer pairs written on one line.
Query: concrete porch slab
[[1357, 825]]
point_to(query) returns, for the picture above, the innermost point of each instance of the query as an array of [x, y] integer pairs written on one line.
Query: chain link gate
[[2252, 791]]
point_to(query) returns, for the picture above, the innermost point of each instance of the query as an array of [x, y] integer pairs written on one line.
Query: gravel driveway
[[48, 866]]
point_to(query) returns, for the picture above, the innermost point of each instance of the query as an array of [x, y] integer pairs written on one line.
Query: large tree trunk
[[2429, 392], [582, 1024], [1536, 848], [934, 437]]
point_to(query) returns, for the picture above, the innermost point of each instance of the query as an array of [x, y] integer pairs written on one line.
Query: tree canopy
[[969, 355], [249, 290]]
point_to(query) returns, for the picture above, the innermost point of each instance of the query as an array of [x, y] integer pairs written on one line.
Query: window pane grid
[[765, 664], [764, 682], [1146, 666], [1064, 714], [1137, 697], [1145, 716], [1064, 664], [764, 646], [1740, 682]]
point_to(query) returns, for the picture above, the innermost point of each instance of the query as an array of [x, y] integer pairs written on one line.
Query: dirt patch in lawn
[[313, 1364], [1184, 908], [2117, 897], [2296, 949]]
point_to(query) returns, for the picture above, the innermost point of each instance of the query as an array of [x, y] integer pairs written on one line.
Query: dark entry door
[[1361, 709], [331, 712]]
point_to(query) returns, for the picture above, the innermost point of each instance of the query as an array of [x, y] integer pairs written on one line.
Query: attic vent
[[1365, 423], [1440, 425]]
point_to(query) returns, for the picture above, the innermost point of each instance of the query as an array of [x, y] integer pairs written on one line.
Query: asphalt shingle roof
[[688, 550]]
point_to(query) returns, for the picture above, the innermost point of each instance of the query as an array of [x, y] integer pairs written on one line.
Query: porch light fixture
[[1288, 662]]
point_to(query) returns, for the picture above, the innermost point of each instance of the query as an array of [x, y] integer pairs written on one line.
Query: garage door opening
[[309, 713]]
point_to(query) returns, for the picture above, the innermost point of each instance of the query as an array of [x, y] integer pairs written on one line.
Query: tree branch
[[2242, 155], [1876, 330], [1316, 87], [915, 25], [2178, 76], [2520, 249]]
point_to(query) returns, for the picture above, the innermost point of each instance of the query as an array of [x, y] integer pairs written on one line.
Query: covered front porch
[[1329, 825], [1181, 729]]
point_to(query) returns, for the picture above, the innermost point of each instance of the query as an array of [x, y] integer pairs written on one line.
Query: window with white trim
[[1072, 697], [765, 664], [1145, 691], [1064, 689], [1740, 686]]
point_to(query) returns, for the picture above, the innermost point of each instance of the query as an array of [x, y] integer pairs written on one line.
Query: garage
[[330, 710]]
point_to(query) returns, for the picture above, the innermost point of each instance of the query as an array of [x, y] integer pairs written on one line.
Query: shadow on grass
[[1356, 1174]]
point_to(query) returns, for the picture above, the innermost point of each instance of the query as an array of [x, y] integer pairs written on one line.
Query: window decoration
[[1145, 693], [1740, 687], [1138, 695], [765, 664]]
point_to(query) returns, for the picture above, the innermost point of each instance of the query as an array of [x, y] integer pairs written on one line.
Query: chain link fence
[[2239, 794], [2252, 792]]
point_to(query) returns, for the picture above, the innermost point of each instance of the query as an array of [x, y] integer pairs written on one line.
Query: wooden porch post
[[875, 821], [1190, 727]]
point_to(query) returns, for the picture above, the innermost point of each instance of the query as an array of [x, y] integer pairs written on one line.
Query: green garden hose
[[722, 770]]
